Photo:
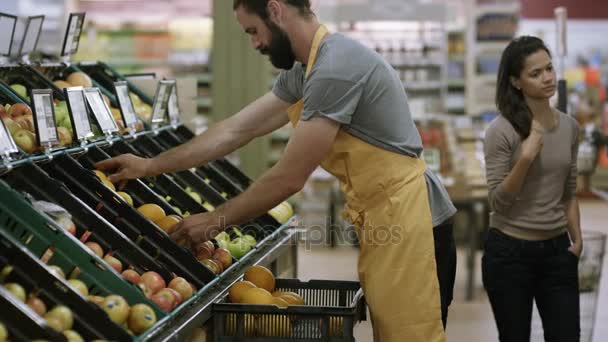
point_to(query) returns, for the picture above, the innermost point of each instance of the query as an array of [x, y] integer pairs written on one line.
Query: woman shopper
[[534, 241]]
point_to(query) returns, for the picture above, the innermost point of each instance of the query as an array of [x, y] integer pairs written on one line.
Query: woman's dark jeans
[[515, 272]]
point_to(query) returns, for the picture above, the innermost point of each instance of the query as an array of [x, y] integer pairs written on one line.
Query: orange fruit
[[152, 212], [100, 174], [292, 299], [126, 197], [168, 222], [298, 298], [236, 291], [107, 183], [280, 302], [261, 277], [256, 296]]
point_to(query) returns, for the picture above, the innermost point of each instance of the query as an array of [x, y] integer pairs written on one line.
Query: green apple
[[17, 290], [3, 333], [208, 206], [250, 240], [19, 89], [223, 236], [238, 247], [196, 197], [177, 210]]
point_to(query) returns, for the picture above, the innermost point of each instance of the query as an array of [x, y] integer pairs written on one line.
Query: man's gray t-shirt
[[356, 87]]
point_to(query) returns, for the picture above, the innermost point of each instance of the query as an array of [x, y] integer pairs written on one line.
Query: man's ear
[[275, 10]]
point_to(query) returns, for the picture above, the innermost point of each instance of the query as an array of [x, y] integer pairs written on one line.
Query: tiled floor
[[468, 321]]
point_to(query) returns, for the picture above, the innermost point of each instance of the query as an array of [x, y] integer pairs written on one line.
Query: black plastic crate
[[22, 323], [90, 321], [84, 184], [332, 309], [105, 76], [30, 78], [90, 225]]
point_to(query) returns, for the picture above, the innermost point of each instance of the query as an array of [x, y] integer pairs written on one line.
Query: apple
[[63, 314], [204, 252], [3, 113], [57, 271], [148, 293], [213, 265], [65, 136], [26, 140], [96, 299], [37, 305], [117, 308], [152, 281], [131, 276], [54, 323], [113, 262], [196, 197], [3, 332], [17, 290], [176, 295], [223, 236], [67, 224], [20, 89], [223, 256], [250, 240], [79, 287], [11, 125], [72, 336], [141, 318], [239, 247], [25, 122], [95, 247], [19, 109], [6, 271], [166, 303], [182, 286]]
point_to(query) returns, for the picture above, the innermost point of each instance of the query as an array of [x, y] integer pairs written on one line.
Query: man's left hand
[[197, 228]]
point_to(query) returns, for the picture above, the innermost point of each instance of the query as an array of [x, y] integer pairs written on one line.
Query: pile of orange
[[156, 214]]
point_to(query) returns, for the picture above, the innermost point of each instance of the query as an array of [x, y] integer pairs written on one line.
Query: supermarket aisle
[[468, 321]]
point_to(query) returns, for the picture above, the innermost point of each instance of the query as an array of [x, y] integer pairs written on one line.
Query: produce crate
[[40, 235], [90, 225], [22, 323], [60, 71], [86, 186], [333, 308], [90, 321], [30, 78], [105, 76]]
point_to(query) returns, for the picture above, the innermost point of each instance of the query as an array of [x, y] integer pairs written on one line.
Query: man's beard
[[279, 50]]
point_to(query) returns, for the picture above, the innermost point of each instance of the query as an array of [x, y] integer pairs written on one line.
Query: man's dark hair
[[259, 7]]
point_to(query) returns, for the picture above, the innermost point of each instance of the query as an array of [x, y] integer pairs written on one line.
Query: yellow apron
[[387, 201]]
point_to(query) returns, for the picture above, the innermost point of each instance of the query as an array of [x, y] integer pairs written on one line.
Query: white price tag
[[7, 30], [161, 101], [174, 105], [77, 107], [126, 105], [44, 117], [72, 34], [100, 110], [7, 144]]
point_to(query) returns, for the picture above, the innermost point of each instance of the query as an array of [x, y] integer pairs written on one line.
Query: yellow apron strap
[[295, 111]]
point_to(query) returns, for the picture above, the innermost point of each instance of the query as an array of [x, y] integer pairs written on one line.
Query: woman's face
[[537, 79]]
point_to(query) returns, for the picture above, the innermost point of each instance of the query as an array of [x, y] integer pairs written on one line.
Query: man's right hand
[[533, 143], [126, 166]]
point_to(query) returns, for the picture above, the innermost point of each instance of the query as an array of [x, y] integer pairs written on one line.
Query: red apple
[[213, 265], [95, 247], [113, 262], [3, 113], [26, 122], [37, 305], [65, 136], [175, 297], [131, 276], [223, 256], [203, 252], [146, 290], [164, 302], [153, 281], [19, 109], [182, 286]]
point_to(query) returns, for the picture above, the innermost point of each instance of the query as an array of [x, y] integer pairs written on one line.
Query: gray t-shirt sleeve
[[439, 199], [570, 187], [332, 98], [498, 149], [288, 85]]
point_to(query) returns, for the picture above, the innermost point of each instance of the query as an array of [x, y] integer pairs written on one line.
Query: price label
[[7, 30], [33, 27], [174, 105], [125, 103], [100, 110], [7, 144], [79, 113], [161, 101], [72, 34], [44, 117]]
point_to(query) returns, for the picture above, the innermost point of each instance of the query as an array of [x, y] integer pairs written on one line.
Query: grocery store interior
[[82, 81]]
